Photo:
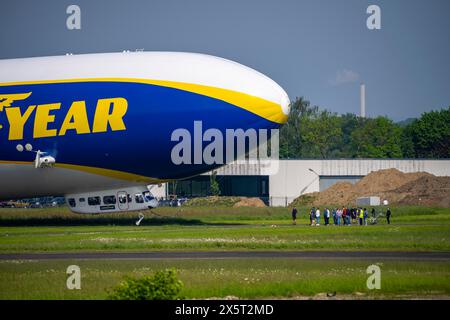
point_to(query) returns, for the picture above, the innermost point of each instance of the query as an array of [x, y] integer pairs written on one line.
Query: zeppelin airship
[[98, 129]]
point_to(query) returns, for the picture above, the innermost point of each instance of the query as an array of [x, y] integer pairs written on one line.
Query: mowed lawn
[[178, 229], [56, 229], [244, 279]]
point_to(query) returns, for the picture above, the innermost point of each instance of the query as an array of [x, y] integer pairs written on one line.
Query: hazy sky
[[321, 50]]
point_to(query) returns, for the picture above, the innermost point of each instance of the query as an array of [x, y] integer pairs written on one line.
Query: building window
[[109, 200], [82, 200], [139, 198], [94, 201], [147, 196], [71, 202], [122, 198]]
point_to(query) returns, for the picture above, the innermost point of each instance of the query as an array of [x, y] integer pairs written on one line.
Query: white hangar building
[[278, 183]]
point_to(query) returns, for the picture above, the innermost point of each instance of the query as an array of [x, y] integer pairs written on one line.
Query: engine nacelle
[[44, 162], [114, 200]]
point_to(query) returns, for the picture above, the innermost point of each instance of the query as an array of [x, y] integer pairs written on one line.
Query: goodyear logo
[[109, 114]]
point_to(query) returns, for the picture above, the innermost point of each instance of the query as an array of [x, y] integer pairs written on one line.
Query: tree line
[[311, 132]]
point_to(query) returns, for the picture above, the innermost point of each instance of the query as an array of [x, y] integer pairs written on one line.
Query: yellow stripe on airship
[[264, 108]]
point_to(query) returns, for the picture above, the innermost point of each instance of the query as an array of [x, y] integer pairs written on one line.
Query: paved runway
[[386, 255]]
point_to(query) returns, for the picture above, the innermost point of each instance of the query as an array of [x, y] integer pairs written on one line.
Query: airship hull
[[112, 117]]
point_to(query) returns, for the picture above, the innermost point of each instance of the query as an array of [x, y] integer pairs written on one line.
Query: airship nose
[[279, 106], [284, 102], [274, 103]]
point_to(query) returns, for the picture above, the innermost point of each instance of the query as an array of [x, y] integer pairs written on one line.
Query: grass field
[[118, 238], [413, 229], [178, 229], [200, 216], [252, 278]]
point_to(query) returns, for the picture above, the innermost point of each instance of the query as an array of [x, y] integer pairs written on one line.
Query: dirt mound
[[386, 180], [417, 188], [341, 192], [250, 202], [426, 191]]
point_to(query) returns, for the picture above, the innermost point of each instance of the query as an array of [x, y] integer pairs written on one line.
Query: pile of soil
[[426, 190], [387, 180], [418, 188], [250, 202]]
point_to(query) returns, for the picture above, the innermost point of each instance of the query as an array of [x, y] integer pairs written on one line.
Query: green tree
[[377, 138], [321, 134], [349, 123], [407, 143], [291, 133], [430, 135], [214, 185], [313, 133]]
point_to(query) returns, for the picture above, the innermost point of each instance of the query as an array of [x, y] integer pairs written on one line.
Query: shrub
[[214, 189], [163, 285]]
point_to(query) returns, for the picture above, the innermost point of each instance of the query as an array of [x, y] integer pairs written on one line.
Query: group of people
[[340, 216]]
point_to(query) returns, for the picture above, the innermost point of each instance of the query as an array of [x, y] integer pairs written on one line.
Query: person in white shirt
[[317, 217]]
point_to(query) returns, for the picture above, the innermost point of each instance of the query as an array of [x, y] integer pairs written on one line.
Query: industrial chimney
[[363, 100]]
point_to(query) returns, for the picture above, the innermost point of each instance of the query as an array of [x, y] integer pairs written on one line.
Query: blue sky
[[321, 50]]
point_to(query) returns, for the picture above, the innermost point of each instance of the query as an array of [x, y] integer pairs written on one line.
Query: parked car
[[17, 204]]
